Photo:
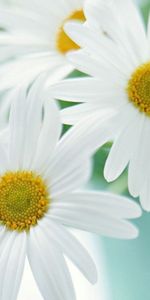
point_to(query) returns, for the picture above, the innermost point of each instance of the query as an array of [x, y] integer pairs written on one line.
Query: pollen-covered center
[[23, 200], [63, 42], [139, 88]]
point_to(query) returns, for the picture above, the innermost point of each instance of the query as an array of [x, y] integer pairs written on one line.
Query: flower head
[[115, 52], [42, 174], [33, 40]]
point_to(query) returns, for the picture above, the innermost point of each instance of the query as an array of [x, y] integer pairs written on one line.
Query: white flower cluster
[[43, 172]]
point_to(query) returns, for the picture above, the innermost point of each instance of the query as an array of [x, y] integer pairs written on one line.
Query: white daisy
[[117, 54], [33, 39], [41, 174]]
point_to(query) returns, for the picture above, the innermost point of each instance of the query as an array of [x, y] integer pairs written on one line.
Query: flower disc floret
[[138, 88], [24, 200]]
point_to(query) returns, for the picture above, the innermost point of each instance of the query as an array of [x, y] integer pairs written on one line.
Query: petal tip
[[108, 176], [93, 278], [133, 234]]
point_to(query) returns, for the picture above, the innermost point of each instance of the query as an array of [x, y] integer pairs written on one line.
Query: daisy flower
[[116, 53], [33, 39], [40, 196]]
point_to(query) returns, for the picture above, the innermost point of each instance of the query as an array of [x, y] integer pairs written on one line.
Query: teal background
[[127, 263]]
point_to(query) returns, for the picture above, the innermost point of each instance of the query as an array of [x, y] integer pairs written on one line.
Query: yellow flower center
[[24, 200], [139, 88], [63, 42]]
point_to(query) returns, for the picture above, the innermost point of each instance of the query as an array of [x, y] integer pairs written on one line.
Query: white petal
[[86, 90], [33, 121], [27, 68], [148, 32], [135, 26], [17, 45], [5, 103], [4, 238], [91, 218], [65, 7], [74, 114], [75, 148], [3, 158], [84, 62], [83, 138], [140, 166], [145, 195], [137, 163], [17, 130], [71, 247], [31, 25], [94, 66], [12, 261], [24, 70], [49, 135], [49, 268], [126, 113], [23, 136], [72, 179], [121, 151], [102, 14], [21, 44], [105, 203], [41, 7], [102, 47]]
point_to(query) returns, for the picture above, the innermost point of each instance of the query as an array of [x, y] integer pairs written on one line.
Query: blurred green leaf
[[145, 11]]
